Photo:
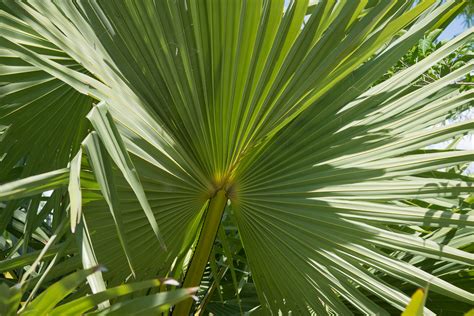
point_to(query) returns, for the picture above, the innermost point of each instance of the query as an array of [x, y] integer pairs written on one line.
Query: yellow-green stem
[[204, 245]]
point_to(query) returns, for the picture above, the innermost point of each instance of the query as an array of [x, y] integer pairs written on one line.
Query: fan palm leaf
[[268, 106]]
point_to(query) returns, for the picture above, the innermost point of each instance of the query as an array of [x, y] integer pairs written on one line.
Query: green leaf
[[415, 307], [81, 305], [150, 304], [9, 299], [112, 141], [280, 107], [74, 189], [102, 168], [46, 301], [33, 185]]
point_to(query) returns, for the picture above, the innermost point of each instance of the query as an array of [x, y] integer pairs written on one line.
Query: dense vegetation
[[257, 156]]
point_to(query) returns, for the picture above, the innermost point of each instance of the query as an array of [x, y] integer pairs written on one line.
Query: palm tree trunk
[[203, 249]]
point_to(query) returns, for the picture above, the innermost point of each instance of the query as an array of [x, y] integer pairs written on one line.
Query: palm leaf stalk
[[203, 248], [144, 119]]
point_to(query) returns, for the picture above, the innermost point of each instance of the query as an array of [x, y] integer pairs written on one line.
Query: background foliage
[[121, 121]]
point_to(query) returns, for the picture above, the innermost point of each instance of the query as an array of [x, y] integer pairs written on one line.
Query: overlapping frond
[[273, 103]]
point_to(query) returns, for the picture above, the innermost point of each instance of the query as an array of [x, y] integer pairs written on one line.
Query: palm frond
[[276, 105]]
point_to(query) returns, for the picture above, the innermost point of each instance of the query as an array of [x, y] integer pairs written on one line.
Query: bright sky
[[456, 27]]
